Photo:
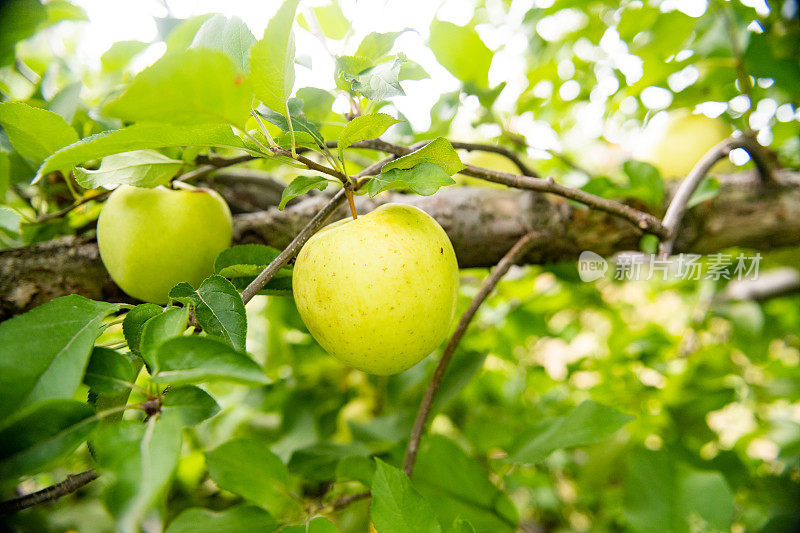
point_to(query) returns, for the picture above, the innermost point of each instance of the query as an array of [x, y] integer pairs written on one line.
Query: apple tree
[[186, 240]]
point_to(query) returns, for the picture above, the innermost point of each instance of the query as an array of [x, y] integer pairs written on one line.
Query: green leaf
[[140, 460], [411, 70], [180, 33], [109, 372], [375, 45], [230, 36], [66, 101], [438, 151], [424, 179], [301, 185], [141, 168], [660, 490], [248, 468], [41, 434], [44, 352], [462, 526], [272, 59], [707, 190], [348, 67], [35, 133], [177, 89], [59, 10], [645, 182], [219, 309], [331, 20], [120, 54], [19, 19], [317, 103], [134, 322], [462, 368], [357, 468], [451, 44], [244, 260], [588, 423], [458, 486], [379, 82], [190, 405], [139, 137], [318, 461], [194, 359], [316, 525], [166, 325], [239, 519], [299, 124], [363, 128], [397, 507]]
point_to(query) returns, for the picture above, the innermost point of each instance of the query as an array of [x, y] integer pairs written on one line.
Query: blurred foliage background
[[713, 387]]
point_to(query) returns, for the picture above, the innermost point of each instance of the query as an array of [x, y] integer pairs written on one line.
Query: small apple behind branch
[[378, 292], [151, 239]]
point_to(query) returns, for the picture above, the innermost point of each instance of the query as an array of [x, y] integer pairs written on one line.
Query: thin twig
[[61, 212], [501, 150], [677, 206], [511, 257], [311, 164], [221, 162], [291, 250], [640, 219], [564, 158], [49, 494]]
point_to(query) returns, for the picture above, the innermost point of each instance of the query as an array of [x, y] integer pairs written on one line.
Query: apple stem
[[348, 191]]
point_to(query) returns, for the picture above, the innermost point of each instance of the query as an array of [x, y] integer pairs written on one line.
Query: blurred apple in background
[[675, 143]]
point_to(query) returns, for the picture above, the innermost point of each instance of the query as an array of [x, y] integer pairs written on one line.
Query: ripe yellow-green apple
[[676, 144], [379, 292], [152, 239]]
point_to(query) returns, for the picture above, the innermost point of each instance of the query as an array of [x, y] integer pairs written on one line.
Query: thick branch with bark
[[482, 223]]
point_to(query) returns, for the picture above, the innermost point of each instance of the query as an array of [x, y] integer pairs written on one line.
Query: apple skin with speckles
[[379, 292], [152, 239]]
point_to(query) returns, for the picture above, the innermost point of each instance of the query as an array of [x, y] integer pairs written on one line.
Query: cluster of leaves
[[174, 103], [283, 431]]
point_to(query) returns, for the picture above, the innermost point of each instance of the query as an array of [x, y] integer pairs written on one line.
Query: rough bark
[[483, 224]]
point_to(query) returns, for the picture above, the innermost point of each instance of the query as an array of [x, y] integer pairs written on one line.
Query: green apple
[[379, 292], [152, 239], [676, 145]]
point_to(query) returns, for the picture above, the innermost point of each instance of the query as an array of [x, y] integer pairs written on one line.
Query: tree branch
[[481, 223], [512, 256], [49, 494], [640, 219], [677, 207], [496, 149], [778, 282]]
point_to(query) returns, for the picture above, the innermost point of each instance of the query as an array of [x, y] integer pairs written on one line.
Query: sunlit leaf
[[272, 59], [35, 133], [141, 168], [301, 185], [44, 352], [177, 89], [439, 151]]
